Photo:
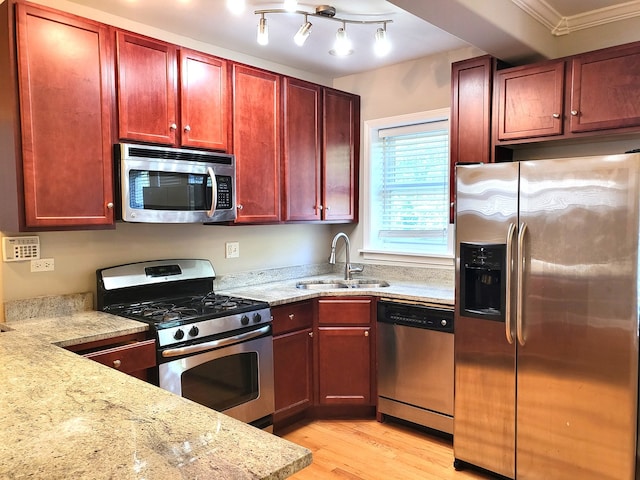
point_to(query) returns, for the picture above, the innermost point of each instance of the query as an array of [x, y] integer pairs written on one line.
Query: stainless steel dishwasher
[[415, 363]]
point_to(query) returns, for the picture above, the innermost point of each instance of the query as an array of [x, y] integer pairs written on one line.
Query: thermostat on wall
[[17, 249]]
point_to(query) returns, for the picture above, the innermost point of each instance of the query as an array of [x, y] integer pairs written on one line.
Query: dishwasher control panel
[[415, 315]]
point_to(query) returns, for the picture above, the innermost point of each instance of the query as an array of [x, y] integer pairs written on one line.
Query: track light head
[[342, 46], [263, 31], [303, 33], [382, 46]]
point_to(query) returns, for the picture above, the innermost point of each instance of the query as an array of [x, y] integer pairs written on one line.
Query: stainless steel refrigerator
[[546, 327]]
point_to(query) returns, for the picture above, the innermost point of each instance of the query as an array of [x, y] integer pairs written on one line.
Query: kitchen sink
[[339, 283]]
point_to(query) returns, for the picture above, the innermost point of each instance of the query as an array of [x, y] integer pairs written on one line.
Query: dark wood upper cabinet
[[171, 96], [65, 95], [204, 101], [302, 150], [530, 101], [341, 153], [147, 100], [256, 143], [471, 98], [605, 89]]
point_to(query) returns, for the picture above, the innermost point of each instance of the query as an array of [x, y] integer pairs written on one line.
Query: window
[[407, 204]]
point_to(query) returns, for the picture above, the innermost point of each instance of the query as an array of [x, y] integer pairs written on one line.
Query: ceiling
[[413, 35]]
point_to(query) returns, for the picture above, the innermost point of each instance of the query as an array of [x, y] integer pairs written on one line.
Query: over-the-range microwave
[[173, 185]]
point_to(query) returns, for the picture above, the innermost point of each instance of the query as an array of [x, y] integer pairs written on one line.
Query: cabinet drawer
[[352, 311], [295, 316], [127, 358]]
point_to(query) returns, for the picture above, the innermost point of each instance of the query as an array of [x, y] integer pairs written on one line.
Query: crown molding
[[563, 25]]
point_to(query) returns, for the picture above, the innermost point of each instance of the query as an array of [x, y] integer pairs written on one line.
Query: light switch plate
[[232, 249], [19, 249]]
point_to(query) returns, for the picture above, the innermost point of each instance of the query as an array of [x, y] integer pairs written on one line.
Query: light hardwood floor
[[370, 450]]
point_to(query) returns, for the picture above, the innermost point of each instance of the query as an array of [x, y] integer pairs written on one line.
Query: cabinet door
[[301, 166], [341, 149], [65, 102], [146, 89], [292, 372], [605, 90], [204, 101], [471, 89], [256, 144], [530, 101], [344, 365]]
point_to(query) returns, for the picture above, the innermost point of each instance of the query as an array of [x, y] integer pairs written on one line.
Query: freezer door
[[484, 400], [577, 360]]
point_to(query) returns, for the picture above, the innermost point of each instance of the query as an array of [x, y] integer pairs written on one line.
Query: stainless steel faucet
[[348, 268]]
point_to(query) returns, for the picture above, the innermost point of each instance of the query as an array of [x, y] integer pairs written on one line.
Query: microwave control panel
[[225, 192]]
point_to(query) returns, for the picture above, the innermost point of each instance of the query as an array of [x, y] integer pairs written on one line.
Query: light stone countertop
[[64, 416], [285, 291]]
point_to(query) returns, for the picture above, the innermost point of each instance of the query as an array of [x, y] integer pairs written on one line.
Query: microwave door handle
[[214, 192]]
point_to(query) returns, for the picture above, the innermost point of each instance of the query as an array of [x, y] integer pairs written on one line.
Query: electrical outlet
[[232, 249], [43, 265]]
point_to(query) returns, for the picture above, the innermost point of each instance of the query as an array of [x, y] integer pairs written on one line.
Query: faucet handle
[[354, 269]]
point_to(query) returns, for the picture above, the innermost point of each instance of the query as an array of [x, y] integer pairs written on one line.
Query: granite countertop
[[64, 416], [285, 291]]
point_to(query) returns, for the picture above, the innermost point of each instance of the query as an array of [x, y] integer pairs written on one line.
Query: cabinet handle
[[574, 113], [187, 128], [291, 315], [173, 126], [311, 334], [366, 333], [110, 205], [117, 363], [239, 207], [556, 115]]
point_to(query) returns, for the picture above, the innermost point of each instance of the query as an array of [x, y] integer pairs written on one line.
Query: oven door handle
[[222, 342]]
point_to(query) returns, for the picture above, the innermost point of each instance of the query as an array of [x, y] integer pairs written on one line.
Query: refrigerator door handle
[[508, 275], [519, 288]]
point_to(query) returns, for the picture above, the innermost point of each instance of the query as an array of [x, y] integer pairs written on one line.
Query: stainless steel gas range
[[214, 349]]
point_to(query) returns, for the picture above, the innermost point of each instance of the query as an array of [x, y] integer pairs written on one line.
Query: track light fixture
[[303, 32], [263, 31], [342, 45]]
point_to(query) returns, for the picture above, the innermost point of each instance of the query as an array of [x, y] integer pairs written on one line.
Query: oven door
[[236, 379]]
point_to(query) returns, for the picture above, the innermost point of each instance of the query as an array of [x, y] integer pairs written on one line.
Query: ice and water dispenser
[[482, 281]]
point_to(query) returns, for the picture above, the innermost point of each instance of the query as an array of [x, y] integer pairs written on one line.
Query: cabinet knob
[[173, 126], [366, 333], [320, 207], [291, 315], [326, 208], [187, 128], [239, 207], [574, 113], [556, 115], [110, 205], [117, 363], [311, 334]]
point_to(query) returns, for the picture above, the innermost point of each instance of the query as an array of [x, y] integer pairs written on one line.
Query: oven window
[[223, 383], [169, 190]]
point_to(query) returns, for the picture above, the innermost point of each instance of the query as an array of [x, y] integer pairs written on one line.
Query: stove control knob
[[244, 320], [443, 322], [179, 335], [194, 331], [257, 317]]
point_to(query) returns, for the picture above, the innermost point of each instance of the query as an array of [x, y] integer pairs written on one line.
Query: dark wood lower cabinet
[[324, 359], [132, 354]]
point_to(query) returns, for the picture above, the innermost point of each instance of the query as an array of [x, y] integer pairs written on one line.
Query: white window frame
[[371, 128]]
